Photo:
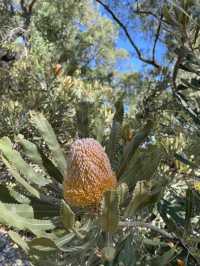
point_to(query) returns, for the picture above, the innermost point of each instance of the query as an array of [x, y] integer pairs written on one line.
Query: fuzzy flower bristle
[[88, 173]]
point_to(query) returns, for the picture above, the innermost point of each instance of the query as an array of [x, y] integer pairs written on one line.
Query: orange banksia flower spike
[[88, 173]]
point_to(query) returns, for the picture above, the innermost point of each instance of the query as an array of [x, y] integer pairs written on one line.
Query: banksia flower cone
[[88, 173]]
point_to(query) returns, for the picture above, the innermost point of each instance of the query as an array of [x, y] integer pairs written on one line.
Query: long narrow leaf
[[145, 193], [110, 211], [115, 133], [10, 218], [21, 166], [30, 150], [23, 210], [138, 139], [21, 180], [45, 129], [20, 198], [189, 210], [5, 196], [18, 240]]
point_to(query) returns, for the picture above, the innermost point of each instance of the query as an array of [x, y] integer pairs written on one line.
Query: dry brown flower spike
[[88, 173]]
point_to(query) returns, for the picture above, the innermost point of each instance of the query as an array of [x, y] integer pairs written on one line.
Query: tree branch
[[30, 7], [157, 37], [125, 30], [23, 7]]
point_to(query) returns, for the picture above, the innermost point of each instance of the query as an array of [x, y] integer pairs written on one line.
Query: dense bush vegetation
[[60, 80]]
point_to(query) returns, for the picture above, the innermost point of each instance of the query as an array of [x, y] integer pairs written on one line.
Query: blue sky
[[133, 63]]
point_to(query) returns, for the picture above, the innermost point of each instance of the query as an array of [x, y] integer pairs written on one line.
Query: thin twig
[[125, 30], [157, 36], [23, 7], [30, 7]]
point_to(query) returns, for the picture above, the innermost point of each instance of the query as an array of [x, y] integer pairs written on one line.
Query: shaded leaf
[[142, 166], [20, 198], [138, 139], [21, 180], [23, 210], [109, 218], [188, 210], [76, 248], [30, 150], [15, 159], [108, 253], [44, 209], [46, 131], [50, 168], [5, 195], [42, 244], [115, 133], [145, 193], [171, 223], [126, 252], [122, 190], [18, 240], [12, 219], [165, 258], [155, 242], [67, 215], [82, 118], [60, 242]]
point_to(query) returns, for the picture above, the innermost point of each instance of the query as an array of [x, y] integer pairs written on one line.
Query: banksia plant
[[88, 173], [46, 188]]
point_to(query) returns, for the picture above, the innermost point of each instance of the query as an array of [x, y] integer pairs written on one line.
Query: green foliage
[[148, 123], [36, 200], [48, 134], [67, 216], [145, 193], [110, 211]]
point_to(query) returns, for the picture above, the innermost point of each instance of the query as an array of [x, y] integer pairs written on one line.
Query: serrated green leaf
[[115, 133], [15, 159], [20, 198], [23, 210], [42, 244], [18, 240], [145, 193], [76, 248], [138, 139], [141, 166], [60, 242], [30, 150], [122, 190], [10, 218], [50, 168], [21, 180], [67, 215], [109, 218], [45, 129]]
